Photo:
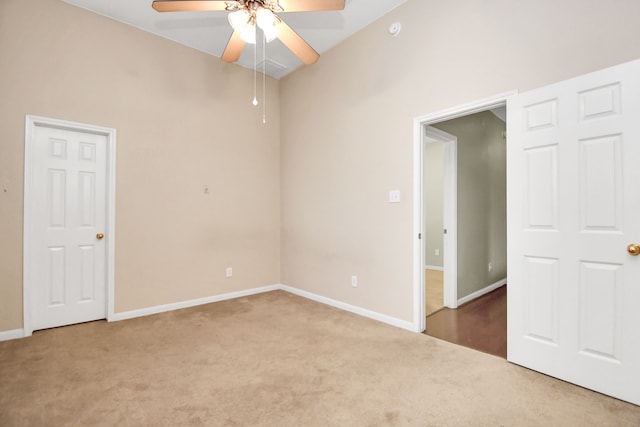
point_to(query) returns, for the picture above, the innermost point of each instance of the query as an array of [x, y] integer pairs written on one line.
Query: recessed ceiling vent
[[272, 68]]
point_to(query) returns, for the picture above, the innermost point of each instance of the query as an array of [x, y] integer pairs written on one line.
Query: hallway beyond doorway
[[434, 290]]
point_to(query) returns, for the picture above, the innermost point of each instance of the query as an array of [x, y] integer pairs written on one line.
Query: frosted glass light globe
[[239, 19]]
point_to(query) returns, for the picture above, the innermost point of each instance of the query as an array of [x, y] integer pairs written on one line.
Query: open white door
[[573, 196]]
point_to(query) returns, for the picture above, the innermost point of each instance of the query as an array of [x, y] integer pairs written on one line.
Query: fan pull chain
[[255, 72], [264, 78]]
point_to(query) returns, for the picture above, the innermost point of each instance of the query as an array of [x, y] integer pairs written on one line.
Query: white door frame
[[31, 123], [419, 318], [450, 214]]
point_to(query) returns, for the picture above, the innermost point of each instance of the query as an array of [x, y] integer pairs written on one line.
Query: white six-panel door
[[573, 207], [67, 213]]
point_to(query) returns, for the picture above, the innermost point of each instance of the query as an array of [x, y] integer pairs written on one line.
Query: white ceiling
[[209, 31]]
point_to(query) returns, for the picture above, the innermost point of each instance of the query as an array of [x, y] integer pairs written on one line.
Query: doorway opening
[[462, 231]]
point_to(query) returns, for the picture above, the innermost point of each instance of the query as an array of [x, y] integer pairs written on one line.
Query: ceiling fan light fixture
[[265, 18], [270, 33], [245, 15], [249, 33], [239, 19]]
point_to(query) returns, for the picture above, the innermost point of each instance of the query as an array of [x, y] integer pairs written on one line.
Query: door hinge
[[419, 235], [445, 231]]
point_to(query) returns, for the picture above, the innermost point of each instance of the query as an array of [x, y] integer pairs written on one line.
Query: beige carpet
[[276, 360], [434, 290]]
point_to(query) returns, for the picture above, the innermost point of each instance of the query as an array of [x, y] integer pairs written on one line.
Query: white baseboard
[[433, 267], [393, 321], [483, 291], [318, 298], [190, 303], [11, 335]]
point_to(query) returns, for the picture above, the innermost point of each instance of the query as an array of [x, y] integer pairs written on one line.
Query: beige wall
[[433, 203], [183, 120], [482, 200], [347, 124]]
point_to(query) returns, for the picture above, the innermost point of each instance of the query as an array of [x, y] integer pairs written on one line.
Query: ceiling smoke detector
[[394, 29]]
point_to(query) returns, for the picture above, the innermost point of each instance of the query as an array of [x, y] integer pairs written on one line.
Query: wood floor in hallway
[[480, 324]]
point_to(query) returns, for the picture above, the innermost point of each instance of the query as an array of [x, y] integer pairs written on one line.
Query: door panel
[[574, 291], [542, 187], [600, 292], [67, 263], [56, 280], [541, 309], [601, 183]]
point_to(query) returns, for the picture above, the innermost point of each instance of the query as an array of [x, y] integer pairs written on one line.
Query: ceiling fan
[[245, 15]]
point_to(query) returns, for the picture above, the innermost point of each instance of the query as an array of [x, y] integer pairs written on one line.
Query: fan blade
[[188, 5], [234, 48], [296, 44], [310, 5]]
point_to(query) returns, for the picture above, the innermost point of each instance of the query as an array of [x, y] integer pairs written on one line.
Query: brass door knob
[[99, 236], [633, 249]]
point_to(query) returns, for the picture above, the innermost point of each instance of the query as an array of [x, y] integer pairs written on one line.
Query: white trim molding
[[419, 318], [483, 291], [11, 334], [433, 267], [295, 291], [190, 303], [393, 321], [147, 311]]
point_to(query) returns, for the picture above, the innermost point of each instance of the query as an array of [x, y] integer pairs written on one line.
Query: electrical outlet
[[437, 252], [354, 281], [229, 272], [490, 267]]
